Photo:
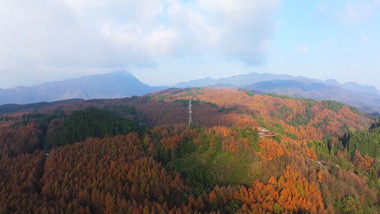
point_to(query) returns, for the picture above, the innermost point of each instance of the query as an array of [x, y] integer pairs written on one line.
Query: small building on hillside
[[263, 132]]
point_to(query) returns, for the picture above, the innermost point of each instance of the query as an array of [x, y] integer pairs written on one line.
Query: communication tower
[[190, 113]]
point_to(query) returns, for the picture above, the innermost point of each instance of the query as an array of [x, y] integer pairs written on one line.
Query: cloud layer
[[118, 33]]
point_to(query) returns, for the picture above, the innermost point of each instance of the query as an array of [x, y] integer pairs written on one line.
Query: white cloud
[[119, 33], [354, 12], [243, 27]]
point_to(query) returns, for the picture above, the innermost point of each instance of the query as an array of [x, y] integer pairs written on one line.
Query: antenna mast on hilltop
[[190, 113]]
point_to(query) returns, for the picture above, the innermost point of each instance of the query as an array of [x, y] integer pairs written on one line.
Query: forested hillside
[[138, 155]]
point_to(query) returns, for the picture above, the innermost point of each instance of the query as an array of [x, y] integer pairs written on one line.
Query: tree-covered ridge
[[91, 122], [19, 182], [219, 164], [28, 132], [220, 169], [307, 119], [229, 107], [364, 141], [18, 138], [114, 175], [99, 175]]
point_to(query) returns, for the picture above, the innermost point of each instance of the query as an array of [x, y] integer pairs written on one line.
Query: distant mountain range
[[112, 85], [123, 84], [251, 78], [366, 98], [237, 80], [367, 102]]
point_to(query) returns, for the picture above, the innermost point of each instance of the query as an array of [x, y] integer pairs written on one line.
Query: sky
[[163, 42]]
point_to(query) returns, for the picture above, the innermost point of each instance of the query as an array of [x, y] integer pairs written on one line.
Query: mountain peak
[[357, 87], [331, 82], [110, 85]]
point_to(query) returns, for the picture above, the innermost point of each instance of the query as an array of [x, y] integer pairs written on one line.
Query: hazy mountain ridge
[[251, 78], [353, 86], [112, 85], [357, 87], [366, 98], [319, 91], [237, 80], [123, 84]]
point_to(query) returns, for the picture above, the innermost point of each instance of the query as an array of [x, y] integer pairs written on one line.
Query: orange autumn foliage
[[365, 162], [270, 149], [122, 173], [291, 192]]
